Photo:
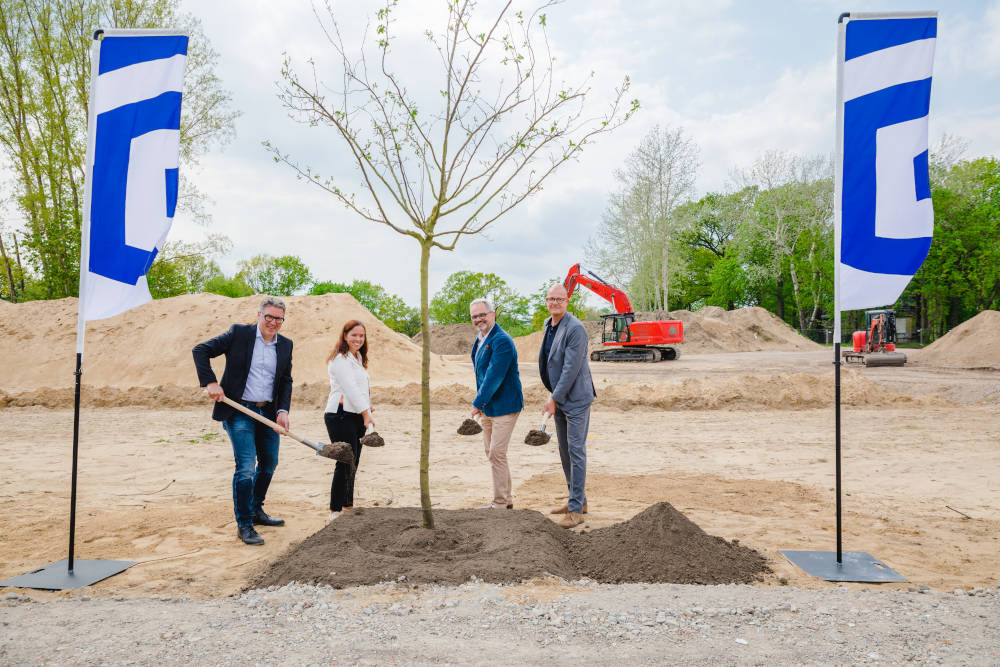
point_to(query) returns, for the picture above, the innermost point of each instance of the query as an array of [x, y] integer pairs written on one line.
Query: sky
[[740, 78]]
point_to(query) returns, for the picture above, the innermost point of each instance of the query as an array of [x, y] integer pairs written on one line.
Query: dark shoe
[[250, 536], [510, 506], [262, 519]]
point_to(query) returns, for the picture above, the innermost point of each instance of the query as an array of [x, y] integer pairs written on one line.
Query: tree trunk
[[10, 274], [666, 269], [781, 296], [425, 389], [798, 298]]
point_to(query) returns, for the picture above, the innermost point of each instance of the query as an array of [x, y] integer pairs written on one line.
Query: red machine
[[877, 345], [625, 339]]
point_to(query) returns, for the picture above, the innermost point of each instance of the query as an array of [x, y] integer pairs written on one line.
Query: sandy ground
[[154, 484]]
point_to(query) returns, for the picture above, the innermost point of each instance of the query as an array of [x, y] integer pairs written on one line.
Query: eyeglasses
[[274, 318], [479, 316], [556, 299]]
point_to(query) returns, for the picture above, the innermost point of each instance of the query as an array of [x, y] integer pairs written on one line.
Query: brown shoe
[[565, 509], [571, 519]]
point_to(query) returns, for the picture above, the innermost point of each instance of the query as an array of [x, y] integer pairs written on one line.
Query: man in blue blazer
[[258, 374], [565, 372], [498, 395]]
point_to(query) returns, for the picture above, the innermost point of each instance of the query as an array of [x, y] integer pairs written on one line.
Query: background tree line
[[767, 240]]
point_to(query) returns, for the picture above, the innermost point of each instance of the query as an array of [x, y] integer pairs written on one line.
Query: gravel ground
[[479, 623]]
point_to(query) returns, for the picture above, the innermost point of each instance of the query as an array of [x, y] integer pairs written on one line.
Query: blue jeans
[[255, 449], [571, 430]]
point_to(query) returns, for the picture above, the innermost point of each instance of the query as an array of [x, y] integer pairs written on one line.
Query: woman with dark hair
[[348, 410]]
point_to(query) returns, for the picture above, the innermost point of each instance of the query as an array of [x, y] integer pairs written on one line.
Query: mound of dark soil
[[662, 545], [369, 545]]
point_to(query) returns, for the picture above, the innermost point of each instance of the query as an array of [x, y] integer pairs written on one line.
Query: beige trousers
[[496, 438]]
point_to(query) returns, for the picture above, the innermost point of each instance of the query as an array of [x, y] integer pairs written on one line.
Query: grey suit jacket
[[569, 372]]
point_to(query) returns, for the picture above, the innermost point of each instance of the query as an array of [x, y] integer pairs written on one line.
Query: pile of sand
[[150, 346], [449, 338], [974, 343], [709, 329], [371, 545], [714, 329], [783, 391]]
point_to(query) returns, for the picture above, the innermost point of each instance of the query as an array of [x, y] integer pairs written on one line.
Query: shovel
[[538, 437], [334, 451]]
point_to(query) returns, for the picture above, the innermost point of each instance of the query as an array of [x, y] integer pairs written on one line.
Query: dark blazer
[[498, 382], [237, 344], [569, 372]]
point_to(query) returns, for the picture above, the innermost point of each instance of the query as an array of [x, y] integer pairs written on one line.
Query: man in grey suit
[[562, 363]]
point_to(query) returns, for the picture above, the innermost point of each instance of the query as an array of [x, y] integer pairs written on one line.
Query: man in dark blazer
[[258, 374], [498, 395], [565, 372]]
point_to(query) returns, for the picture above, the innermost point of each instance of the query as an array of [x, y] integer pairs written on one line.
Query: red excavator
[[625, 339]]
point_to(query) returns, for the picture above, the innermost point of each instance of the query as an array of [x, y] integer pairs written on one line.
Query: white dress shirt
[[348, 381]]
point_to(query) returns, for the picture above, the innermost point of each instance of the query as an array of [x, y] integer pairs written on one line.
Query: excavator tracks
[[637, 353]]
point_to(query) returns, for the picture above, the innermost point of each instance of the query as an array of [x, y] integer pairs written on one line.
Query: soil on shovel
[[470, 427], [536, 438], [339, 451], [371, 545], [373, 439]]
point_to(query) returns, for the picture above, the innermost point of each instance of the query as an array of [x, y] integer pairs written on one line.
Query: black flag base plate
[[57, 576], [855, 566]]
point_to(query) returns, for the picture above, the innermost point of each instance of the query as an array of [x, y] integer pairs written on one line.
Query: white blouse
[[348, 380]]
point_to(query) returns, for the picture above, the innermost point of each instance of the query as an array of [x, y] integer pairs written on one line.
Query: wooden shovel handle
[[263, 420]]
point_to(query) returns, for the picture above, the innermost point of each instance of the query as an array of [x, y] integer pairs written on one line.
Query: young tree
[[500, 124], [44, 93]]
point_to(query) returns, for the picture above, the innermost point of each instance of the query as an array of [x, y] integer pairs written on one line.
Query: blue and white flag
[[133, 141], [883, 214]]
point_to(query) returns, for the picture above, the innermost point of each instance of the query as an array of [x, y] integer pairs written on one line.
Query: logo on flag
[[134, 140], [886, 217]]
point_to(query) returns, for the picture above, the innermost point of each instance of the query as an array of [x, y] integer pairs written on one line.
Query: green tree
[[277, 276], [792, 215], [633, 242], [186, 268], [44, 93], [576, 304], [451, 303], [232, 287], [501, 125], [390, 309]]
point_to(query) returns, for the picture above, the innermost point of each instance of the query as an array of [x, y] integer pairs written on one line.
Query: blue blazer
[[498, 382]]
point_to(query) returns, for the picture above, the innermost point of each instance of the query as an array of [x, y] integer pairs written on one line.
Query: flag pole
[[73, 573], [838, 188], [832, 566], [81, 320]]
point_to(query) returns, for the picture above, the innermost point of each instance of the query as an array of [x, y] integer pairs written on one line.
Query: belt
[[256, 404]]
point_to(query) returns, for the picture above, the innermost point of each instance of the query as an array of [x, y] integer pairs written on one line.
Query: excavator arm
[[597, 285]]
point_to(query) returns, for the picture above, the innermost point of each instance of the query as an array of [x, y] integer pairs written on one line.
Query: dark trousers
[[344, 427]]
